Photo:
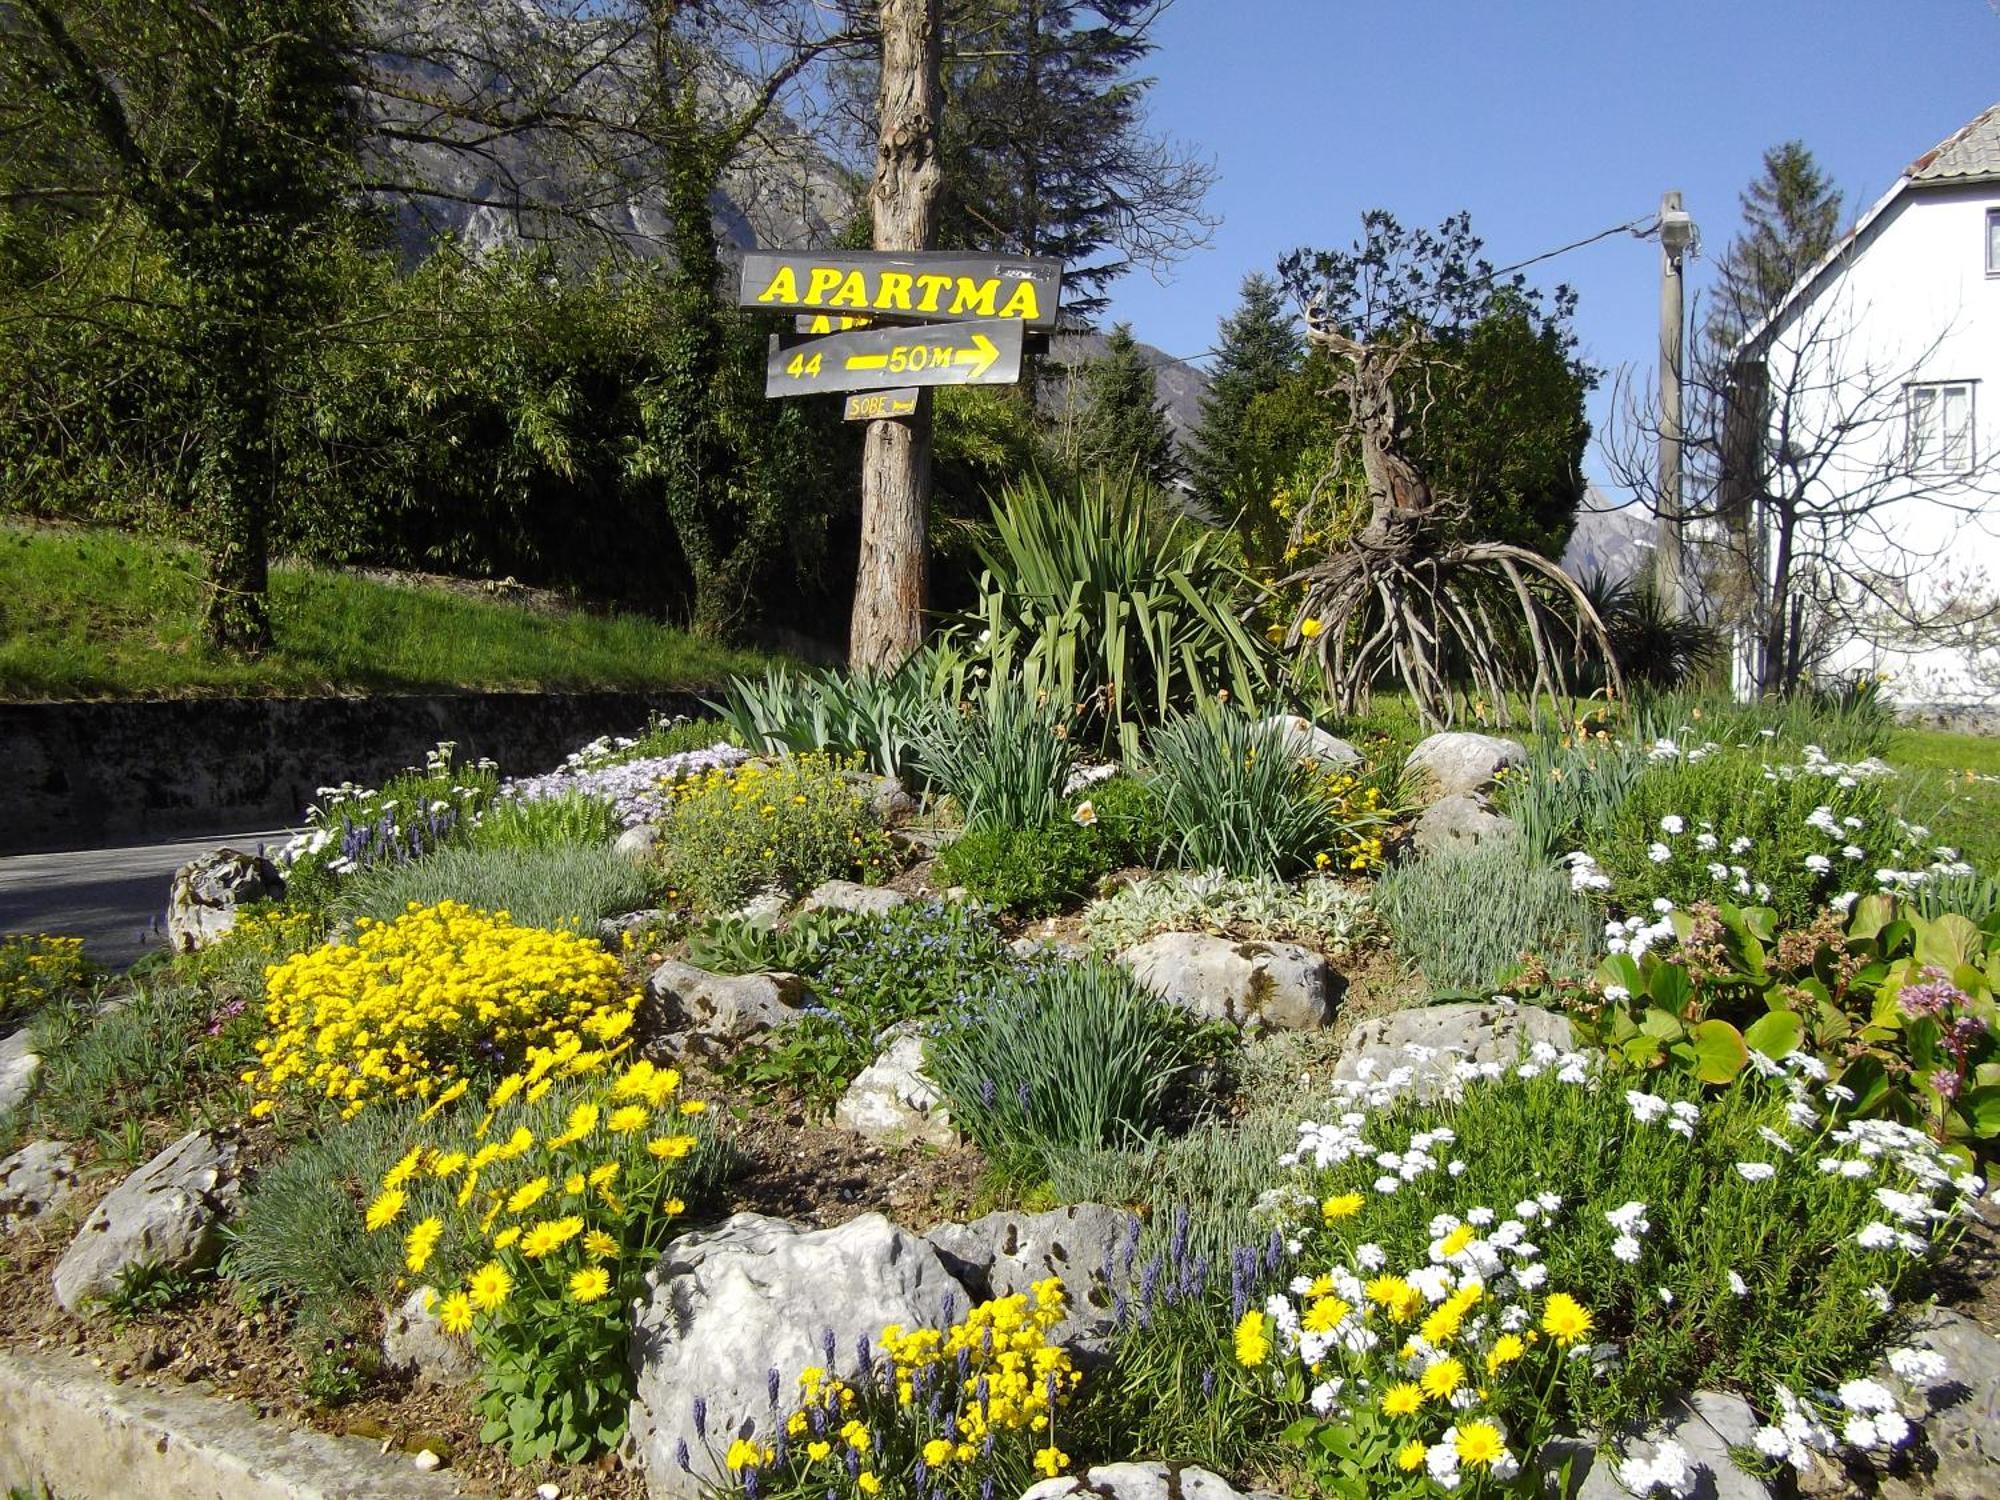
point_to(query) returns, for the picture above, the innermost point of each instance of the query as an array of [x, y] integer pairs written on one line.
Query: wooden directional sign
[[913, 288], [982, 353], [871, 406], [828, 323]]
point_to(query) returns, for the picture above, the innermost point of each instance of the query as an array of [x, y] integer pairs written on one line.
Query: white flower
[[1672, 823], [1371, 1257], [1859, 1433], [1771, 1137], [1671, 1468], [1756, 1171], [1532, 1276], [1876, 1236], [1865, 1396], [1705, 842], [1662, 905], [1387, 1184], [1666, 1296], [1742, 845], [1852, 851], [1324, 1395], [1658, 853], [1819, 864], [1626, 1249], [1646, 1108], [1738, 1285], [1628, 1218], [1918, 1366], [1879, 1295]]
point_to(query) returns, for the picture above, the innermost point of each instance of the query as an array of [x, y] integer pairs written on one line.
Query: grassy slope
[[104, 615], [1970, 817]]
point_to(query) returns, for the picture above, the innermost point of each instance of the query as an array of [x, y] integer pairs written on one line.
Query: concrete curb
[[63, 1425]]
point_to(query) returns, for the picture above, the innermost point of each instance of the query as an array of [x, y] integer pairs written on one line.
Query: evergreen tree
[[1122, 428], [1791, 219], [1259, 346], [1045, 145]]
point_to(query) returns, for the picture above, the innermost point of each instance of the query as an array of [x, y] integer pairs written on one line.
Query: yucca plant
[[1237, 798], [1086, 598], [880, 714]]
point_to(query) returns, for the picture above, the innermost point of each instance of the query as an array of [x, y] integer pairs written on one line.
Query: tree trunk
[[238, 477], [888, 620]]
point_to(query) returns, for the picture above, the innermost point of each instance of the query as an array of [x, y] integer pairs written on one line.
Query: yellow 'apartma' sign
[[913, 288]]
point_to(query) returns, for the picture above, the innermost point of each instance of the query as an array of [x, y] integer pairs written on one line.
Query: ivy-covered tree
[[1122, 428], [1232, 462], [225, 131]]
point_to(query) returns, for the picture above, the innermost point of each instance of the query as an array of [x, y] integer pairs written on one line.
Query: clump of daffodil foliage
[[547, 1210], [413, 1007], [972, 1409]]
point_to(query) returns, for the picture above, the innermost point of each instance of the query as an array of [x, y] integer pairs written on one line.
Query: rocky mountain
[[1611, 540]]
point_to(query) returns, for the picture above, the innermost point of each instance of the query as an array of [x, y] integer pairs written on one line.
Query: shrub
[[1064, 1057], [909, 964], [570, 820], [731, 944], [1385, 1330], [1238, 800], [1086, 599], [413, 1008], [880, 716], [1004, 758], [1471, 920], [734, 831], [554, 1209], [1029, 871], [556, 888], [662, 737], [1125, 810], [1323, 913], [37, 968], [350, 828], [232, 968]]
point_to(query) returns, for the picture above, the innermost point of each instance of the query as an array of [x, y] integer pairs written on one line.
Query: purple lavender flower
[[701, 1417], [1933, 997], [1945, 1081], [681, 1456], [771, 1386]]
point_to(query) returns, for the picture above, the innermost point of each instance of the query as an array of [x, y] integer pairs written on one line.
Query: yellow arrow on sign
[[981, 356]]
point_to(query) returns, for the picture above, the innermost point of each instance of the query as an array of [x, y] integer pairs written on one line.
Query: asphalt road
[[111, 898]]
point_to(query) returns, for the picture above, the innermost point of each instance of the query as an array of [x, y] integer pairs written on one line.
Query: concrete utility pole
[[1676, 234], [888, 623]]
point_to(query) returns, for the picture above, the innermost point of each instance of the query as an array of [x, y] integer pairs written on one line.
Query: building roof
[[1970, 154]]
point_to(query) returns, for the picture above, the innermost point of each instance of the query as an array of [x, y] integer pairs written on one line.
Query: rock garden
[[950, 1084]]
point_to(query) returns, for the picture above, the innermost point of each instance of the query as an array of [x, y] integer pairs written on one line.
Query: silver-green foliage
[[555, 887], [1236, 797], [1068, 1057], [1467, 919], [1323, 913], [1088, 598], [1004, 758]]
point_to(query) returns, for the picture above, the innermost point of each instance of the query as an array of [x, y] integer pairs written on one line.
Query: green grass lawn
[[98, 614], [1955, 768]]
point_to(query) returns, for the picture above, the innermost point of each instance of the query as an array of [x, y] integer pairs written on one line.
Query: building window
[[1993, 242], [1941, 427]]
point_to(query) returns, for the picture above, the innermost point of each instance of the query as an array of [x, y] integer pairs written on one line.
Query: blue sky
[[1547, 119]]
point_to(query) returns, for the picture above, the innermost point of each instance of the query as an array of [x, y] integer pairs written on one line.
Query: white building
[[1879, 382]]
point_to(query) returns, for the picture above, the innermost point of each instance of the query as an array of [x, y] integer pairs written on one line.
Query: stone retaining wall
[[65, 1426], [84, 775]]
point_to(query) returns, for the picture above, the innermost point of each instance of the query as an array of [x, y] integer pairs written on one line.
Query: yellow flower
[[589, 1284], [1325, 1315], [600, 1245], [671, 1147], [382, 1212], [455, 1313], [1051, 1461], [573, 1184], [694, 1106], [630, 1117], [1564, 1319], [527, 1195], [404, 1169], [1344, 1206], [1506, 1349], [744, 1454], [1410, 1457], [1479, 1443], [1309, 627], [855, 1435], [490, 1286], [1253, 1342], [444, 1166], [937, 1452], [1455, 1242], [867, 1483], [506, 1237], [817, 1451], [1402, 1398], [1442, 1326], [422, 1241], [1442, 1378]]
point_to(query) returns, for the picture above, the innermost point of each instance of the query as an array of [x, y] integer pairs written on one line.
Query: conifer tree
[[1259, 347], [1791, 219], [1123, 428]]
